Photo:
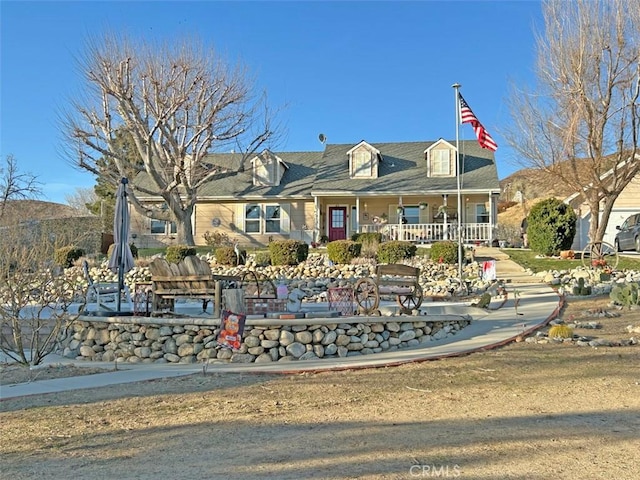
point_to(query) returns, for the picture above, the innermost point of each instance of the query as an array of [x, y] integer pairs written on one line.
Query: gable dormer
[[363, 161], [267, 169], [441, 159]]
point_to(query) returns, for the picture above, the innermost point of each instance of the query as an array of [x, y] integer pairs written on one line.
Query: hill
[[40, 210]]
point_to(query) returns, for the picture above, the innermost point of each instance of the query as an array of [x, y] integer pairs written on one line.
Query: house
[[627, 203], [405, 190]]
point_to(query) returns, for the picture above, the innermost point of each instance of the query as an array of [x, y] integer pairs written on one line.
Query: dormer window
[[440, 159], [441, 162], [268, 169], [363, 161]]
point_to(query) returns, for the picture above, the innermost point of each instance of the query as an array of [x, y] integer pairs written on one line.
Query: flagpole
[[456, 87]]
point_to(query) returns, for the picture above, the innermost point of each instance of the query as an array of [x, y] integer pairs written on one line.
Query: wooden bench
[[395, 279], [190, 278]]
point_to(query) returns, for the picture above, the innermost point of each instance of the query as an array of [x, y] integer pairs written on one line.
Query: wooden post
[[216, 300], [233, 299]]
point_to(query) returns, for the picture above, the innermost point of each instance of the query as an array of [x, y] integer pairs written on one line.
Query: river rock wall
[[137, 341]]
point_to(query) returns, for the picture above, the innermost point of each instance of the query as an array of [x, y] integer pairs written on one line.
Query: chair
[[103, 292]]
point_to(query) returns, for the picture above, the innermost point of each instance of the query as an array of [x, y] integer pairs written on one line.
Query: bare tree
[[178, 102], [15, 185], [581, 120], [81, 199], [35, 300]]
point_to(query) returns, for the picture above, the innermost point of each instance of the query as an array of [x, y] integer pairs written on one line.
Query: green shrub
[[262, 259], [370, 243], [343, 251], [444, 252], [65, 256], [177, 253], [228, 256], [551, 226], [288, 252], [395, 251], [368, 236], [217, 239]]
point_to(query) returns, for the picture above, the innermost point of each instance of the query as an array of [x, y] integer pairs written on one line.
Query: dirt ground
[[525, 411]]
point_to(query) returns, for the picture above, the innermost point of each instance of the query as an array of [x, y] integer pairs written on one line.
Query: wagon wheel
[[600, 254], [366, 295], [250, 284], [411, 301], [255, 286]]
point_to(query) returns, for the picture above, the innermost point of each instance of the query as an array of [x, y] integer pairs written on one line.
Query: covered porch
[[419, 219]]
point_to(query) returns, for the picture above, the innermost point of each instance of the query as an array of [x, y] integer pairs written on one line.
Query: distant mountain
[[538, 184], [40, 210]]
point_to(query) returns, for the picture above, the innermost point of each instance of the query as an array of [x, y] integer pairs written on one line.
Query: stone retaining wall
[[143, 340]]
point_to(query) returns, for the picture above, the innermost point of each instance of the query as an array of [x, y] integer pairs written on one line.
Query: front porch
[[423, 233], [420, 219]]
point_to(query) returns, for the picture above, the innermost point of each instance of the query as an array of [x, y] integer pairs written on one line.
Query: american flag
[[467, 116]]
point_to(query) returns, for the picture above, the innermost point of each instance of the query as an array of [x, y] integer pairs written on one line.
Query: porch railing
[[431, 232]]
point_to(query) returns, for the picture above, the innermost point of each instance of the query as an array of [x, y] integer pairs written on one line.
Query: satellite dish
[[322, 138]]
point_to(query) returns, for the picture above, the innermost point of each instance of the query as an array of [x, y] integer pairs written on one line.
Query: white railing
[[431, 232]]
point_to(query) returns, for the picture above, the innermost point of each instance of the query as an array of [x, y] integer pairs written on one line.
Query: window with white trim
[[266, 218], [252, 218], [163, 227], [441, 162], [482, 215], [412, 214], [272, 219]]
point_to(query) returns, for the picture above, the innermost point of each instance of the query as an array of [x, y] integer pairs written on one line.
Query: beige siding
[[301, 213], [630, 196]]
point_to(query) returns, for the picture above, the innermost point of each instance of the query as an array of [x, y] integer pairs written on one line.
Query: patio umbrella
[[121, 259]]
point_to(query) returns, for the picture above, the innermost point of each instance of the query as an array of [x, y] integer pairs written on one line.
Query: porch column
[[316, 219], [357, 215], [493, 216], [445, 229]]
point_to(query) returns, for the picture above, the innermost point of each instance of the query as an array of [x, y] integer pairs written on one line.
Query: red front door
[[337, 223]]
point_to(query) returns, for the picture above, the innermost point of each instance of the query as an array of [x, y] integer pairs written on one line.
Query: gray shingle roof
[[402, 170]]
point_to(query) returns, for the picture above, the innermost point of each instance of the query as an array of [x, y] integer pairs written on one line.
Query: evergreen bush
[[343, 251], [444, 252], [370, 243], [395, 251], [66, 256], [177, 253], [551, 226], [288, 252], [228, 256]]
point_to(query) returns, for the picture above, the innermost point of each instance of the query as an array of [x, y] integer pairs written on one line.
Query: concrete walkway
[[538, 304]]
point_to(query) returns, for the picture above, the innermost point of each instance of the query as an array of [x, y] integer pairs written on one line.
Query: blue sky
[[376, 71]]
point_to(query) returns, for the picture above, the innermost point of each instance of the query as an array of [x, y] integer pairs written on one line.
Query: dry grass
[[521, 411]]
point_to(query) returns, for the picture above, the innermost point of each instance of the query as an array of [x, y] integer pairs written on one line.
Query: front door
[[337, 223]]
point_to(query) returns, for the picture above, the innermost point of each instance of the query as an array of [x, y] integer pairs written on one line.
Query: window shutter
[[424, 215], [285, 219], [393, 214], [239, 220]]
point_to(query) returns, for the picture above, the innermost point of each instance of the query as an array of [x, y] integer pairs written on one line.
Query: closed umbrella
[[121, 259]]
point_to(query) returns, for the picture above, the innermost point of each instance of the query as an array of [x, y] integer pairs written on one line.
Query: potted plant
[[399, 209]]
